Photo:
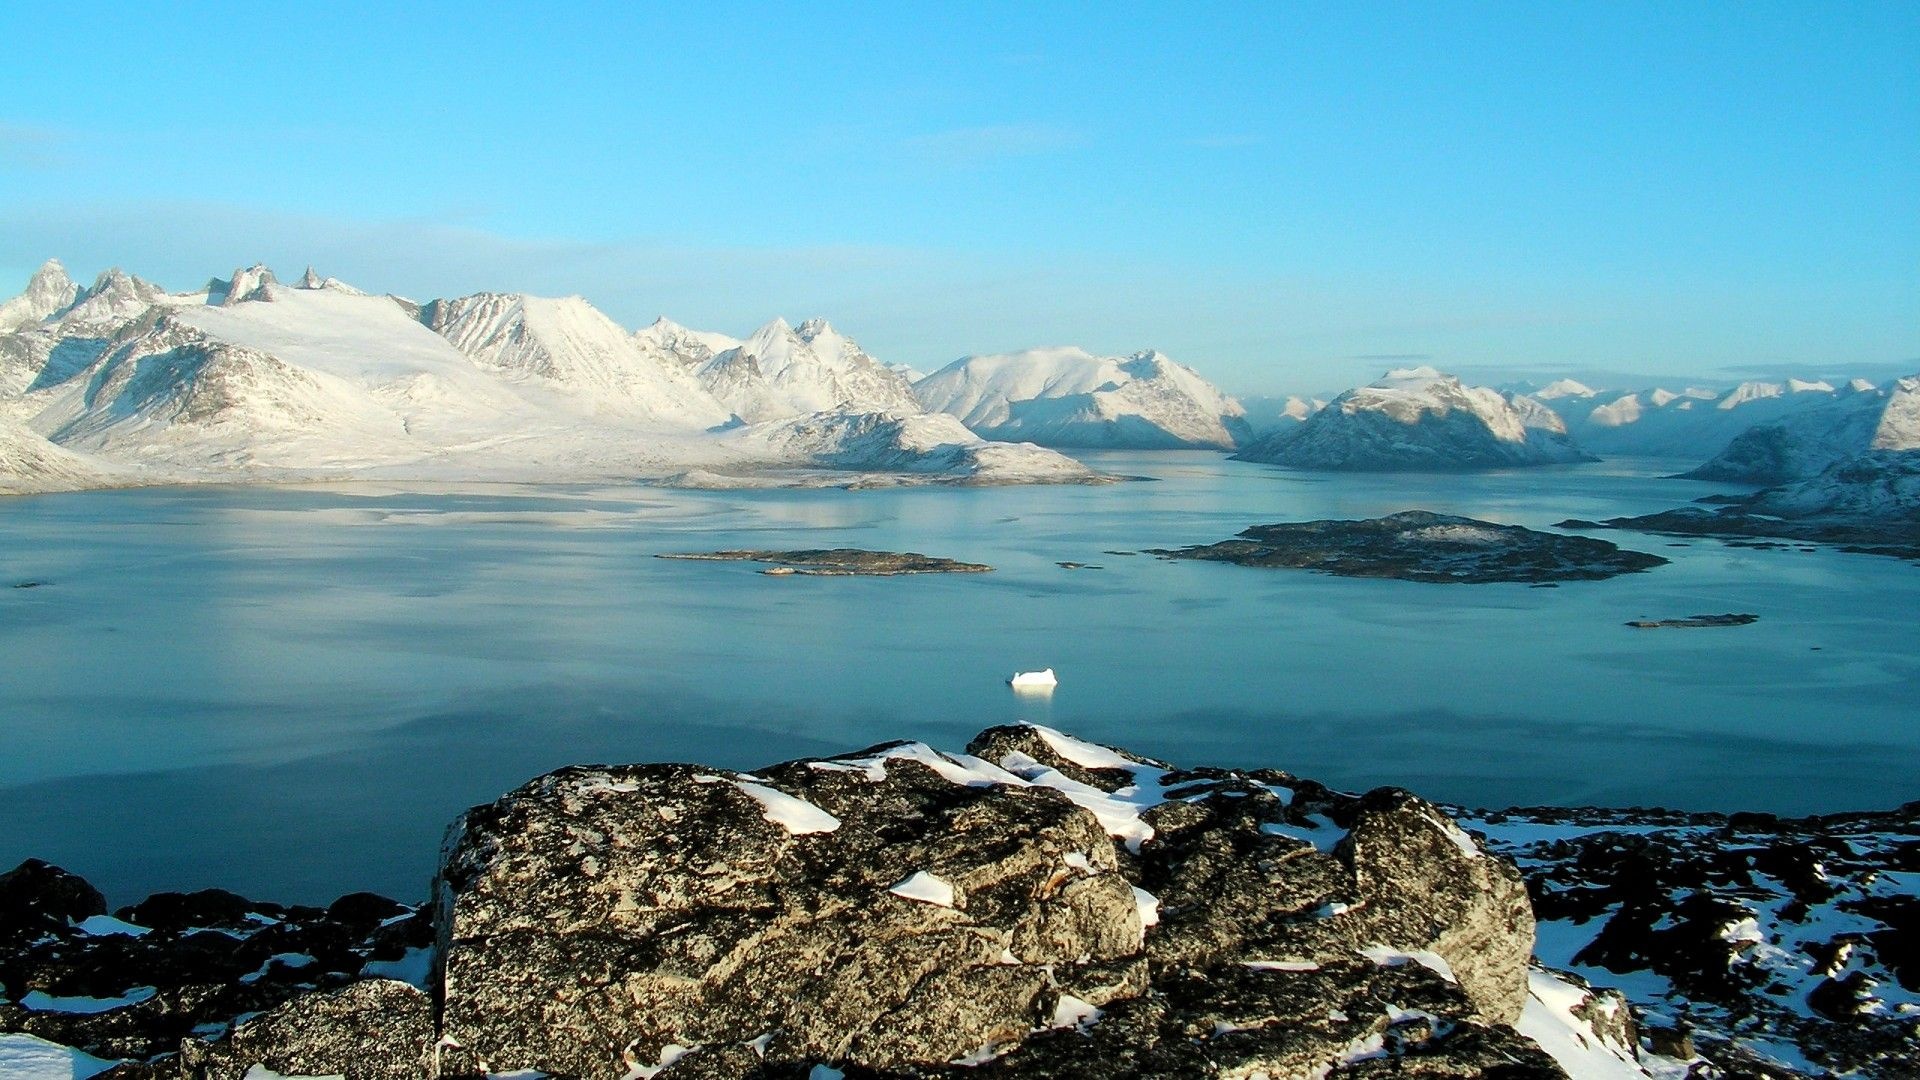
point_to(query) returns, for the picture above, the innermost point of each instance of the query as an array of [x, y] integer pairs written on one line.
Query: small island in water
[[838, 562], [1418, 545]]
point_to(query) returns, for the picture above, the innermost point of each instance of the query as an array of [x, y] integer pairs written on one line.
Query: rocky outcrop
[[1037, 906], [1736, 929], [377, 1029], [902, 909]]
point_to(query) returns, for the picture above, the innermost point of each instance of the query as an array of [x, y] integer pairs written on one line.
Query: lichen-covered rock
[[377, 1029], [900, 909], [1264, 866], [876, 913], [1038, 907]]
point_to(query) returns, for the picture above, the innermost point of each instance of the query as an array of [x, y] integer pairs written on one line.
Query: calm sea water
[[289, 693]]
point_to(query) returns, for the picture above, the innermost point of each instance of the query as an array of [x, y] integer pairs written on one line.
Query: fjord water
[[290, 692]]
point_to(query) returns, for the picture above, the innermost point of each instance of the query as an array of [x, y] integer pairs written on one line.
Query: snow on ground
[[1549, 1019], [795, 815], [24, 1057], [926, 888], [42, 1002]]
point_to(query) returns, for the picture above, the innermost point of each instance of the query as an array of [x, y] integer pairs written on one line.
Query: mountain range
[[250, 378]]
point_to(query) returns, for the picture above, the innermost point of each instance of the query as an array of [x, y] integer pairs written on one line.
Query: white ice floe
[[1033, 680], [925, 888], [24, 1057], [797, 816]]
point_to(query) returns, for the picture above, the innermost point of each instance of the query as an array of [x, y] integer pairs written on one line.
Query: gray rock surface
[[1036, 907], [603, 918], [376, 1029]]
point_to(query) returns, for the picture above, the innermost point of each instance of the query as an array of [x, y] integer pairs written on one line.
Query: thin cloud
[[1392, 357], [975, 145]]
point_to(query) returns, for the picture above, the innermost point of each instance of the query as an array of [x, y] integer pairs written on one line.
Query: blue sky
[[1287, 196]]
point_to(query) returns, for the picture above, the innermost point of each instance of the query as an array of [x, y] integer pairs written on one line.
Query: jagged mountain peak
[[49, 291], [248, 283]]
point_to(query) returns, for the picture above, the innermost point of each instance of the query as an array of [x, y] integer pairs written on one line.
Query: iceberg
[[1033, 680]]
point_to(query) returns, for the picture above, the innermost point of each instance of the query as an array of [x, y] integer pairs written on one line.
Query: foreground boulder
[[1037, 907], [1040, 904]]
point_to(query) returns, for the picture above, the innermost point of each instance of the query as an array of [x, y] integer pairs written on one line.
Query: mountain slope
[[29, 464], [1876, 486], [252, 379], [1418, 419], [1691, 423], [781, 371], [1071, 398], [570, 344], [1810, 440], [909, 443]]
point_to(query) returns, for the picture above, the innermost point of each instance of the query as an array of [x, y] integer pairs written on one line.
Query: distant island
[[1419, 545]]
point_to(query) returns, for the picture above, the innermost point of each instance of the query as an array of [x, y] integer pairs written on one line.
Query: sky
[[1285, 196]]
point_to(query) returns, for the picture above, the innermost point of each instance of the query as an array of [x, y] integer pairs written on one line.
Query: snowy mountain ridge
[[780, 371], [1069, 397], [254, 379], [1417, 419]]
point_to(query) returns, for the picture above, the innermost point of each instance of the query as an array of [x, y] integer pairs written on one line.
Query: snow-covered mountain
[[908, 443], [1071, 398], [254, 379], [1417, 419], [570, 345], [780, 371], [1806, 442], [49, 291], [667, 341], [1267, 414], [29, 464], [1879, 487], [1693, 422]]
